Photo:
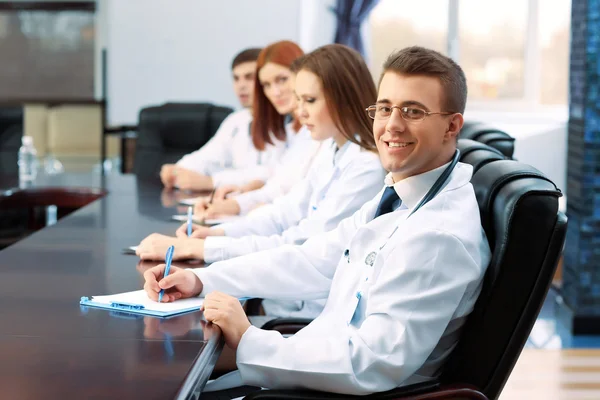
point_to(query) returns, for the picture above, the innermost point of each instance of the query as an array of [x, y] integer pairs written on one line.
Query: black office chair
[[526, 232], [12, 222], [487, 134], [166, 133], [477, 154], [11, 132]]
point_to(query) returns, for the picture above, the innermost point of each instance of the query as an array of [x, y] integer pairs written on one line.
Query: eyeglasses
[[381, 112]]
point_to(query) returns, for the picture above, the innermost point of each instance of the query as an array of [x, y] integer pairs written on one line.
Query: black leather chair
[[12, 222], [477, 154], [519, 211], [489, 135], [168, 132], [11, 132]]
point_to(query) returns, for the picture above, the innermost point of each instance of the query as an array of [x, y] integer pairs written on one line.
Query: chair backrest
[[490, 135], [526, 232], [169, 131], [11, 132], [477, 154]]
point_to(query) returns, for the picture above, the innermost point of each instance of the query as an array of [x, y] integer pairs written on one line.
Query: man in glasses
[[401, 274]]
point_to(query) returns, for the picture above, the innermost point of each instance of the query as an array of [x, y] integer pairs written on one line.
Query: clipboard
[[138, 302], [208, 221]]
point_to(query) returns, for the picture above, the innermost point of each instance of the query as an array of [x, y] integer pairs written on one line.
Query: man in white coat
[[231, 146], [400, 276]]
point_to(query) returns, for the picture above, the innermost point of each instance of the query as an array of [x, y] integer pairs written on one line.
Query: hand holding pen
[[168, 260]]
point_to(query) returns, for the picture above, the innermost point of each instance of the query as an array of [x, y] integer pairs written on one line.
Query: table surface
[[51, 347]]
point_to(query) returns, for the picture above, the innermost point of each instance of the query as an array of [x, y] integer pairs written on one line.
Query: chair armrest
[[420, 391], [411, 392], [253, 306], [286, 326]]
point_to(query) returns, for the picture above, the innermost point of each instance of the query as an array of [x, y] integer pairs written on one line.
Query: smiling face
[[243, 82], [408, 148], [278, 86], [312, 106]]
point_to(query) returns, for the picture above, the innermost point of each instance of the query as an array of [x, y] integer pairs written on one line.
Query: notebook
[[138, 302], [193, 200], [208, 221], [183, 218]]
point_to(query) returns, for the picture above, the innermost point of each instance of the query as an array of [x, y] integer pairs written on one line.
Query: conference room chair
[[477, 154], [490, 135], [11, 131], [167, 132], [526, 232]]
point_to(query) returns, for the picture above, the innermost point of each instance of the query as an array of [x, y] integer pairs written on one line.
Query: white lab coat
[[293, 167], [423, 282], [230, 157], [339, 183]]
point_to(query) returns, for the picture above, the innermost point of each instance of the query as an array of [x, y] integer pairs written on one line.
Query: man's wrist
[[216, 232], [194, 248]]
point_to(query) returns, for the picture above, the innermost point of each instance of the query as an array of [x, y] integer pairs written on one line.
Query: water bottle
[[28, 162]]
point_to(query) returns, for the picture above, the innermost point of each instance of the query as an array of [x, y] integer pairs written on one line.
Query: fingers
[[170, 297], [212, 315], [181, 232], [223, 191], [200, 206], [212, 211], [216, 300], [152, 276], [200, 232], [176, 277]]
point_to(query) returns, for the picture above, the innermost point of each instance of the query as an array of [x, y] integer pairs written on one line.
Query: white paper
[[193, 200], [222, 220], [139, 297], [183, 218]]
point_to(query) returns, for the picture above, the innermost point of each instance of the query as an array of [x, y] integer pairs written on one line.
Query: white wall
[[317, 23], [181, 50], [540, 139]]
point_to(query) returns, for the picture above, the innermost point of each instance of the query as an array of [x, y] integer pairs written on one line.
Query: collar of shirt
[[344, 155], [413, 188]]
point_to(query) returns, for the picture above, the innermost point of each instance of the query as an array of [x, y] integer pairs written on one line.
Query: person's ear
[[455, 124]]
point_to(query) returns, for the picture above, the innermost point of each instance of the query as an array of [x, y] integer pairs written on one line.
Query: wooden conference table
[[50, 346]]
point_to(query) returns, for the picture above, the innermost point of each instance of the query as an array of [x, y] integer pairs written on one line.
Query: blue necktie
[[387, 201]]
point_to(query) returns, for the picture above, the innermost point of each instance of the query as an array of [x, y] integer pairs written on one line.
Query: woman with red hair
[[274, 132], [274, 125]]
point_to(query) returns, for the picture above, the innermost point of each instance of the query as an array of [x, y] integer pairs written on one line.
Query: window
[[554, 39], [396, 24], [492, 47], [46, 54], [515, 53]]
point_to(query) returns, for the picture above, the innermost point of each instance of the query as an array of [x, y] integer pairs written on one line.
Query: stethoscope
[[433, 191], [370, 259], [438, 184]]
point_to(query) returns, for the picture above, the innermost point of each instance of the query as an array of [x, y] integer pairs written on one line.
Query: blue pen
[[168, 259], [189, 221]]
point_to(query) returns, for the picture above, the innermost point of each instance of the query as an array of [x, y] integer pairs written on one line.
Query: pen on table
[[189, 220], [168, 260]]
